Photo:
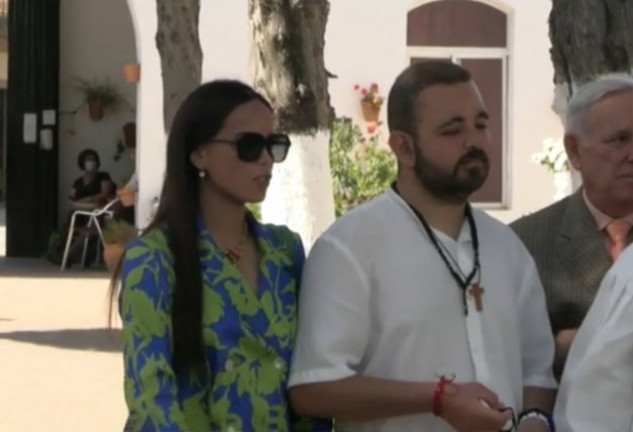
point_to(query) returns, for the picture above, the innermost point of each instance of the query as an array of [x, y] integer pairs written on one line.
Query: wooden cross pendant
[[477, 291]]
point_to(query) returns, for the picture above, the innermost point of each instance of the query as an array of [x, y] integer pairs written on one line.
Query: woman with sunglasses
[[208, 294]]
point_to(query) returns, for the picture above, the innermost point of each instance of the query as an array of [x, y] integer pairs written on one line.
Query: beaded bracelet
[[437, 394]]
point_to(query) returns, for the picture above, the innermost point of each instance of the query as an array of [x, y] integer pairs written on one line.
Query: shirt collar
[[602, 220], [464, 234]]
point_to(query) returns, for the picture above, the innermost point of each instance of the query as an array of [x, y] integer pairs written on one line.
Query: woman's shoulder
[[151, 242], [285, 241], [281, 233]]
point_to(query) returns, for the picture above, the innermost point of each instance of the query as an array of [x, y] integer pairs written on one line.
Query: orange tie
[[618, 230]]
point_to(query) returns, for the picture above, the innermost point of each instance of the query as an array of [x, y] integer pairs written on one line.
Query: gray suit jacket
[[570, 255]]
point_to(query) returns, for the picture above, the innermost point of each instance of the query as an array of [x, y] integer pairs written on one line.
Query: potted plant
[[126, 196], [371, 101], [362, 167], [99, 96], [125, 193], [116, 234]]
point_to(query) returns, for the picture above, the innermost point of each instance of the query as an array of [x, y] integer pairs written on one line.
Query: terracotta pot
[[95, 110], [127, 196], [370, 112], [112, 254], [132, 72]]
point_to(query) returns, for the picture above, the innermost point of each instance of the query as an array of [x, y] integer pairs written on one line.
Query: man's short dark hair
[[401, 105], [84, 155]]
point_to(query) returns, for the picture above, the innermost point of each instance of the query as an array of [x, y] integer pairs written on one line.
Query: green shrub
[[361, 167]]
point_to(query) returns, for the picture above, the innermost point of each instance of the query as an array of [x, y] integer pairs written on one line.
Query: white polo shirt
[[377, 299], [596, 390]]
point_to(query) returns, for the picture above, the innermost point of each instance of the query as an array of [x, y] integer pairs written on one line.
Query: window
[[473, 35]]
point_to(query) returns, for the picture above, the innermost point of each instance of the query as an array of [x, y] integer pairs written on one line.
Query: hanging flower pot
[[112, 254], [371, 112], [371, 101], [116, 234], [95, 110], [132, 72], [100, 96]]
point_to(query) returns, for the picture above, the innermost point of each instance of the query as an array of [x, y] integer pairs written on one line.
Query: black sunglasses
[[251, 145]]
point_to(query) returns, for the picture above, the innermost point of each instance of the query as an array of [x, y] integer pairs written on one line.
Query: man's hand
[[533, 425], [471, 407]]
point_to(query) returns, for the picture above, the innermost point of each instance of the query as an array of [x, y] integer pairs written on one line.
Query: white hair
[[591, 93]]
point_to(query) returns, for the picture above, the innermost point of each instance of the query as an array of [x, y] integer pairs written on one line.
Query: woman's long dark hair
[[198, 120]]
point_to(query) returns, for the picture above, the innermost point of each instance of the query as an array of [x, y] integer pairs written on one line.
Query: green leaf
[[261, 413], [147, 320], [134, 277], [135, 252], [269, 380], [242, 298], [214, 303]]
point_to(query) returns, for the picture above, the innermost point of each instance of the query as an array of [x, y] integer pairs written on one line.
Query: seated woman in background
[[90, 191], [94, 186]]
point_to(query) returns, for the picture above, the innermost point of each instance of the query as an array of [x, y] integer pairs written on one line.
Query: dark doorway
[[31, 136]]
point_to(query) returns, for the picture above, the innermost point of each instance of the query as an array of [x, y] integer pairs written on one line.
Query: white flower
[[553, 157]]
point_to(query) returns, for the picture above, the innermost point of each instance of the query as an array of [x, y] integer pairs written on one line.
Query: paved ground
[[60, 367]]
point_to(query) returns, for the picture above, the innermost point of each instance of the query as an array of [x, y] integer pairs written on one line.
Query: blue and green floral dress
[[248, 338]]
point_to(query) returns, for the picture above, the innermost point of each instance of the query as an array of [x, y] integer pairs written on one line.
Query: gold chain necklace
[[234, 253]]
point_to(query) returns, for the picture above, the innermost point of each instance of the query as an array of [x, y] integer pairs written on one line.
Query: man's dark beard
[[452, 187]]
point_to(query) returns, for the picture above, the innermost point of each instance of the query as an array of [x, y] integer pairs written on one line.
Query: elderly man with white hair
[[596, 392], [576, 240]]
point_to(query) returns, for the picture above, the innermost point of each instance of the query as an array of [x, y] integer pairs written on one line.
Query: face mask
[[90, 166]]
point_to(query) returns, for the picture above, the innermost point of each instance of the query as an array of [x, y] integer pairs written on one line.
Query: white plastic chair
[[93, 220]]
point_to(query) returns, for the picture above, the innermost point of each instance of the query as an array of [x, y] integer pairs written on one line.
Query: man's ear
[[572, 147], [402, 146]]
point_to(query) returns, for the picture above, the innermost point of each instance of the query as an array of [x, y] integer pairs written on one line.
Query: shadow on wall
[[99, 339]]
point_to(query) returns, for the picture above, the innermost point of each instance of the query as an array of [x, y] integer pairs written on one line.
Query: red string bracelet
[[437, 394]]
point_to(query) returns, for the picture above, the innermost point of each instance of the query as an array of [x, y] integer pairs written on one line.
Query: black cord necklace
[[463, 281]]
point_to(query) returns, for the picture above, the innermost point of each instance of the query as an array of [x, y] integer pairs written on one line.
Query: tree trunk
[[589, 38], [178, 44], [288, 65]]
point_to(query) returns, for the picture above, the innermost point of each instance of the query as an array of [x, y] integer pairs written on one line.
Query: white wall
[[97, 39], [532, 119], [150, 151], [224, 39], [375, 52]]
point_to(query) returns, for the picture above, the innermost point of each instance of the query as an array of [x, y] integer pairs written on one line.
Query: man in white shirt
[[417, 312], [596, 390]]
